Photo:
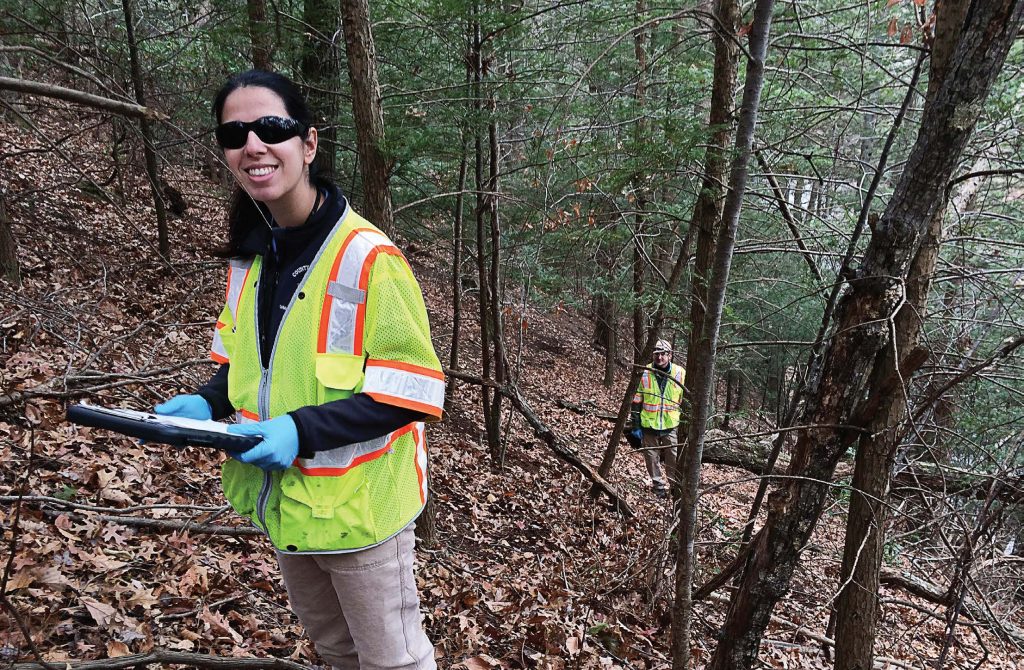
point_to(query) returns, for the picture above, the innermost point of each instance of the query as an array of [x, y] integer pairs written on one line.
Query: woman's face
[[270, 173]]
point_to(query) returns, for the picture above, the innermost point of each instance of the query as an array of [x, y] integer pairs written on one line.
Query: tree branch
[[80, 97]]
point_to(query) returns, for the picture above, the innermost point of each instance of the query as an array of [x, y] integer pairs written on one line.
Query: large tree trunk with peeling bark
[[368, 113], [854, 379], [857, 605]]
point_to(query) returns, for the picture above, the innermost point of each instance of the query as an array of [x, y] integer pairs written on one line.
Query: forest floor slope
[[530, 571]]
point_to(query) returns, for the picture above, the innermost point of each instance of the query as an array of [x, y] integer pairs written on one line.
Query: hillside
[[530, 571]]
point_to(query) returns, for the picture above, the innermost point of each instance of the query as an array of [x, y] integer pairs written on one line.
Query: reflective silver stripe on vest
[[421, 458], [238, 270], [346, 294], [217, 348], [403, 384], [343, 457], [341, 324]]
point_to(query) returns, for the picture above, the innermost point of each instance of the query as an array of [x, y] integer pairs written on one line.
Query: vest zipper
[[266, 372], [263, 409], [263, 400]]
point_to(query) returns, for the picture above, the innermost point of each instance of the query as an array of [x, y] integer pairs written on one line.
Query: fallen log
[[978, 612], [746, 452]]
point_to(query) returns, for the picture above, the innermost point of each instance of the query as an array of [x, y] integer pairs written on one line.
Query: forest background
[[818, 203]]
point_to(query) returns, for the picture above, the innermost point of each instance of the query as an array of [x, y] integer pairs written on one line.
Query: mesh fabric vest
[[660, 410], [349, 496]]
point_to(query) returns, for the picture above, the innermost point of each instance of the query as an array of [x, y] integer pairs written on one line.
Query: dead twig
[[167, 657]]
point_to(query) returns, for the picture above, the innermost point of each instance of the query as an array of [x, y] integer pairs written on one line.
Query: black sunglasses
[[270, 130]]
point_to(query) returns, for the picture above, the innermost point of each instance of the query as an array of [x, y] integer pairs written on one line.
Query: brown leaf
[[893, 27], [907, 34], [219, 625], [892, 2], [21, 579], [116, 648], [100, 612]]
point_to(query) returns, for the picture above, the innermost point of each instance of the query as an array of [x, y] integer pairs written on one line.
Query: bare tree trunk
[[9, 267], [730, 386], [79, 97], [851, 383], [640, 38], [321, 75], [491, 427], [610, 342], [260, 36], [457, 249], [702, 365], [426, 523], [497, 322], [638, 290], [368, 113], [857, 605], [152, 169], [707, 211], [643, 337]]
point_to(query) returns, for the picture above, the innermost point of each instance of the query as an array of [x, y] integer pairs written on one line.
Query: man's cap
[[662, 345]]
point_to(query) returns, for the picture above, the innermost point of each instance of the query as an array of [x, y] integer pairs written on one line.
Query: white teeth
[[260, 171]]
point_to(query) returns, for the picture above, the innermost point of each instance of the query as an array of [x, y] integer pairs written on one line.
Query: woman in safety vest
[[326, 355]]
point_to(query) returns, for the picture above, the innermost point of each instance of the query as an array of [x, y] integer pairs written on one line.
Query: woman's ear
[[309, 146]]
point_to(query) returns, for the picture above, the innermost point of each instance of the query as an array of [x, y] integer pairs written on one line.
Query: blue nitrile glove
[[279, 447], [638, 434], [187, 407]]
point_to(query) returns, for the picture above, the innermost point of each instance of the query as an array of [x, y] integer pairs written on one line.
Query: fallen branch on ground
[[167, 657], [939, 596], [187, 525], [549, 437]]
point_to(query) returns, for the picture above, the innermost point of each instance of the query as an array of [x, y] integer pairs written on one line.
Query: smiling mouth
[[259, 171]]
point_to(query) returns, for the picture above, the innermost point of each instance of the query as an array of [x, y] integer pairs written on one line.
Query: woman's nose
[[253, 144]]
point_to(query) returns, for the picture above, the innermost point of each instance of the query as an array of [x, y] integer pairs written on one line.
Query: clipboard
[[173, 430]]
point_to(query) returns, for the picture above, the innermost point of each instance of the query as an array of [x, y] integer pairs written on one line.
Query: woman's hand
[[187, 407], [279, 447]]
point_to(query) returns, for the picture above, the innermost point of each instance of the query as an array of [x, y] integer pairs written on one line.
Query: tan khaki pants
[[361, 609], [657, 449]]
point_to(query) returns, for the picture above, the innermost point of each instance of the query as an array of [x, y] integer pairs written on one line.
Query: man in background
[[656, 411]]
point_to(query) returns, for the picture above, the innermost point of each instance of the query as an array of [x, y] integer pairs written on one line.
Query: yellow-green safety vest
[[356, 323], [660, 411]]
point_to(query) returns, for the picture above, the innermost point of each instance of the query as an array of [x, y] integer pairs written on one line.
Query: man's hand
[[279, 447]]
